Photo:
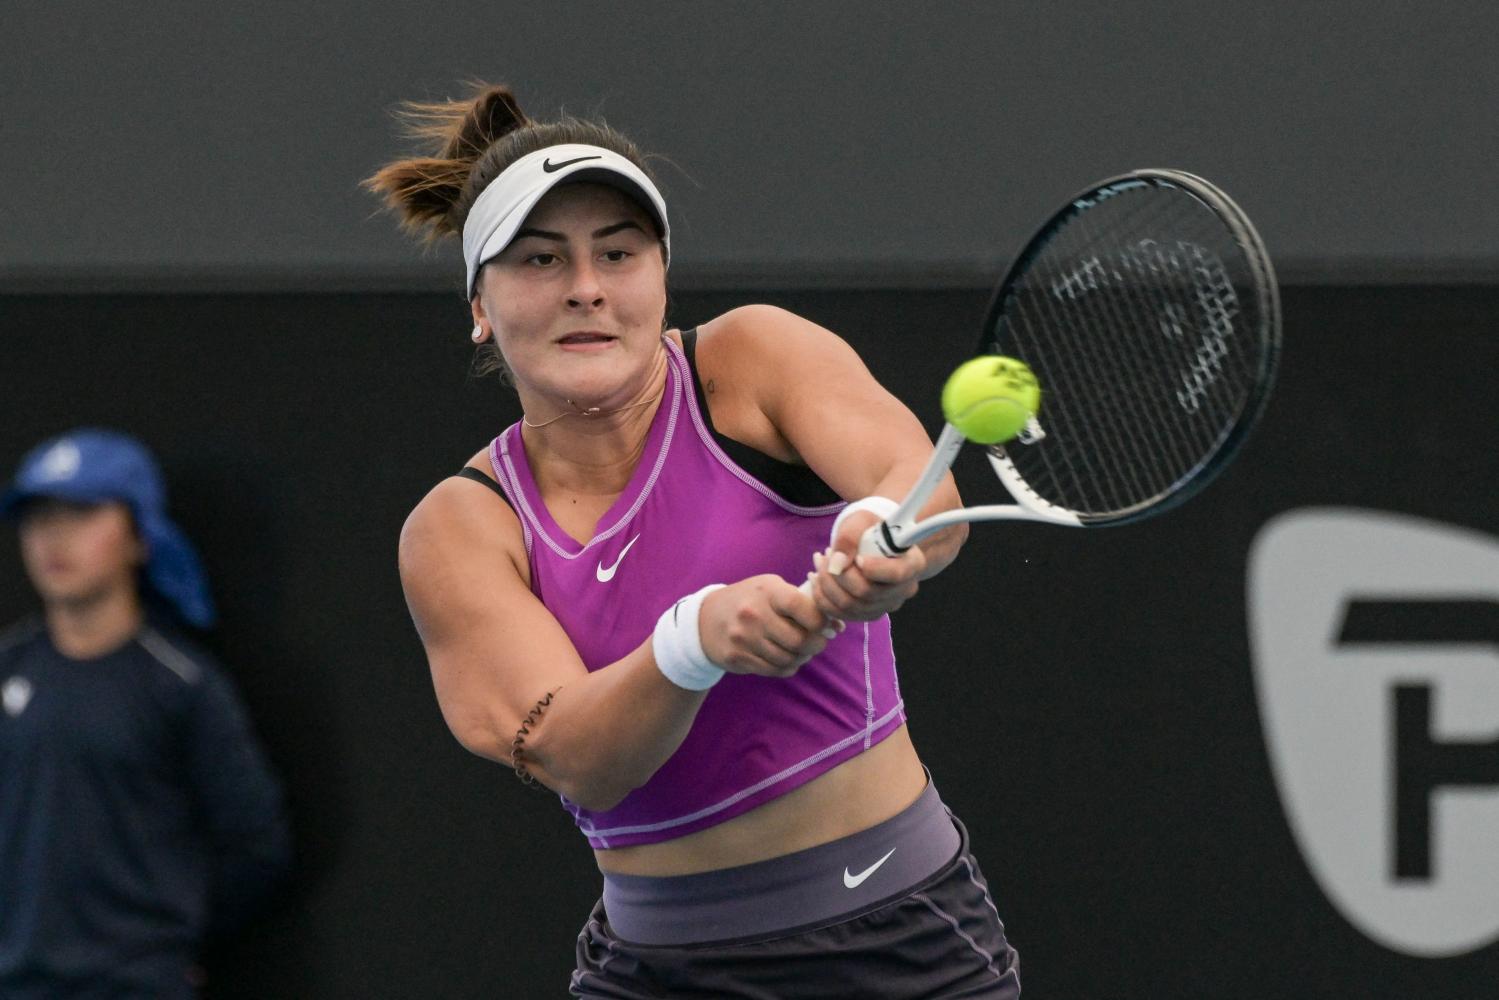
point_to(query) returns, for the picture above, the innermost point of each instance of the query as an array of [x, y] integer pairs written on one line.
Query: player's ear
[[482, 328]]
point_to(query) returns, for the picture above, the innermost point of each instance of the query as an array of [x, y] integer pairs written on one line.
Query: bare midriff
[[855, 795]]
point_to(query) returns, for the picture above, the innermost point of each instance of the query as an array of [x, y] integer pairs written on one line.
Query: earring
[[478, 333]]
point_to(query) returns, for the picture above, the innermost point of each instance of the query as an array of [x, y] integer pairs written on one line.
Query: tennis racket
[[1148, 309]]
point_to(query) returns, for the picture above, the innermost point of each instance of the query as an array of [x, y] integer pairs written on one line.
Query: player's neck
[[596, 460], [596, 453], [90, 627]]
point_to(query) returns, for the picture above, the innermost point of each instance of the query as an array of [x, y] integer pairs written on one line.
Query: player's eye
[[615, 256], [543, 259]]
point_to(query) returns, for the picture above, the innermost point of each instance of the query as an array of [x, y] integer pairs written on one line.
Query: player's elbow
[[598, 784], [585, 778], [482, 744], [478, 733], [595, 797]]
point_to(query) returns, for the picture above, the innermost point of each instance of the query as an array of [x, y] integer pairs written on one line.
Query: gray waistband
[[813, 886]]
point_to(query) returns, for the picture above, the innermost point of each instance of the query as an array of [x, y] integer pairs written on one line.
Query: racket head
[[1148, 308]]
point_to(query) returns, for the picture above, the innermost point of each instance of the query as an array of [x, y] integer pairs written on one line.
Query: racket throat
[[895, 531]]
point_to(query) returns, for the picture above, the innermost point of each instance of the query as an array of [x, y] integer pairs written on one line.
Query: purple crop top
[[691, 516]]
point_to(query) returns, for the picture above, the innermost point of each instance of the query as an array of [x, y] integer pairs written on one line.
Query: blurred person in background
[[139, 816]]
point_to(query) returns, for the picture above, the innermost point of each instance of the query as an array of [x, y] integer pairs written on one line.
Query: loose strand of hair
[[421, 192], [425, 191], [463, 129]]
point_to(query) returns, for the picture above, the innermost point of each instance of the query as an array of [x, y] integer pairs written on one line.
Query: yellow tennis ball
[[990, 399]]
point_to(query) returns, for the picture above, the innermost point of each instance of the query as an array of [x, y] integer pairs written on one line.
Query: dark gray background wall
[[181, 144]]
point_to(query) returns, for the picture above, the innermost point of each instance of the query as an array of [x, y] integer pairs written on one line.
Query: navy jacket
[[137, 812]]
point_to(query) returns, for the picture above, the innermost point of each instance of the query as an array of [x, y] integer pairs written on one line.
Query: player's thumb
[[853, 522]]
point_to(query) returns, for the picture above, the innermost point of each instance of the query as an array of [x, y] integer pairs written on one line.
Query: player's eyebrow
[[616, 228], [598, 234]]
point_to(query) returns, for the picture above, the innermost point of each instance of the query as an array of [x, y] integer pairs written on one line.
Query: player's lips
[[585, 340]]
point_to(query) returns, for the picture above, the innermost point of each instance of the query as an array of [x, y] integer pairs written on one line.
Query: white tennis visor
[[502, 207]]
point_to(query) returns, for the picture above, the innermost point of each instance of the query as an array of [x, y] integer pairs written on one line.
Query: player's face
[[577, 301], [79, 553]]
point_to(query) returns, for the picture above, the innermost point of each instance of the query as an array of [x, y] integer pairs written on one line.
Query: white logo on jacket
[[15, 695]]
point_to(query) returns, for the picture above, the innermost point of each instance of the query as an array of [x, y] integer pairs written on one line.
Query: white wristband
[[881, 507], [678, 645]]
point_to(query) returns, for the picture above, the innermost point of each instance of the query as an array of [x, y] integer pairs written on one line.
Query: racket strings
[[1138, 369], [1139, 316], [1115, 375], [1090, 317], [1088, 485], [1217, 307], [1132, 369]]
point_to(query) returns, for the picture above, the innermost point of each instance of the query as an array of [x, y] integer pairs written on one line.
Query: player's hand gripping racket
[[1147, 309]]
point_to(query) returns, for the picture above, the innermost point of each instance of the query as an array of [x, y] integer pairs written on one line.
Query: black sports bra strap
[[469, 472], [796, 483]]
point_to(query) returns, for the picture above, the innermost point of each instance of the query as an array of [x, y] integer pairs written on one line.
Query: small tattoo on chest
[[710, 387]]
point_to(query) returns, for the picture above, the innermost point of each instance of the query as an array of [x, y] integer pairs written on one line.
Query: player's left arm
[[816, 403]]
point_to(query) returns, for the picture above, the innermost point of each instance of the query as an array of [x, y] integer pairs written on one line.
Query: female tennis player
[[609, 603]]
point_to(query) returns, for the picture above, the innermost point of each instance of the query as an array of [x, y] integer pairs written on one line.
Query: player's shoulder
[[464, 502], [768, 344], [772, 354], [753, 314], [760, 326], [460, 518], [762, 331]]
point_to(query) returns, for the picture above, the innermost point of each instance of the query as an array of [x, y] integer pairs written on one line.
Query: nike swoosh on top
[[552, 168], [605, 575], [854, 881]]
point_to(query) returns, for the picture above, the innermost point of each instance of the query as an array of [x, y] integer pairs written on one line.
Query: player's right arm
[[494, 651]]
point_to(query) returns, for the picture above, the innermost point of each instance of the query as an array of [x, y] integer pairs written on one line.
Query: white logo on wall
[[15, 696], [1376, 655]]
